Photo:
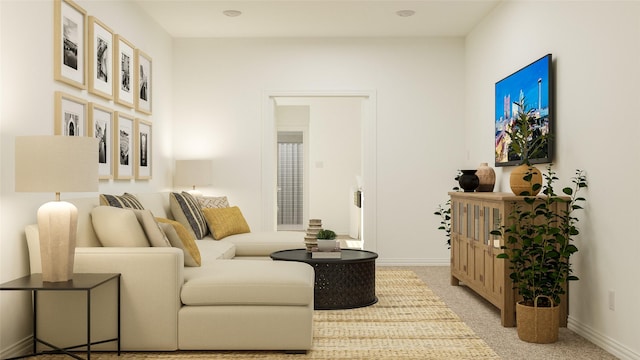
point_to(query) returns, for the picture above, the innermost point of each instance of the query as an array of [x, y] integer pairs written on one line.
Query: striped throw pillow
[[125, 200], [187, 211]]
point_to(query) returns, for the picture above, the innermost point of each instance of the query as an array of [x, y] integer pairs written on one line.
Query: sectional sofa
[[233, 298]]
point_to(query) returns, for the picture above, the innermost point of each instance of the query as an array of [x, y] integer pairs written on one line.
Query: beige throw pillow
[[155, 235], [116, 227]]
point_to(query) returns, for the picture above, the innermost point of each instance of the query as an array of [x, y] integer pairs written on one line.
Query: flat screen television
[[532, 84]]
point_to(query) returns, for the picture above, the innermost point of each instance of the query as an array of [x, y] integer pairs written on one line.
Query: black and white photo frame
[[124, 82], [69, 45], [101, 126], [70, 117], [144, 74], [123, 146], [143, 141], [100, 59]]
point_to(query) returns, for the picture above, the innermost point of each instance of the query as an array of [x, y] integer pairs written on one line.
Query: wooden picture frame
[[100, 59], [123, 146], [69, 43], [144, 74], [101, 126], [144, 154], [124, 83], [70, 117]]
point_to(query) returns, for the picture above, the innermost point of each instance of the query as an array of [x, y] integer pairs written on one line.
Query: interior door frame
[[368, 154]]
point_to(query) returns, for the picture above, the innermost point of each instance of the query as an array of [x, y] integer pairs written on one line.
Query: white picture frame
[[100, 59], [101, 126], [123, 146], [124, 83]]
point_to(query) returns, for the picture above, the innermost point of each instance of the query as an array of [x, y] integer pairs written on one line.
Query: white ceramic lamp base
[[58, 226]]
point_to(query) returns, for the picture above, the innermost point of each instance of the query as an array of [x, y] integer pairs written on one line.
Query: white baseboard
[[22, 347], [605, 342], [413, 262]]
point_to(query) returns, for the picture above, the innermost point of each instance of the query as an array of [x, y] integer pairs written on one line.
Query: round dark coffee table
[[345, 283]]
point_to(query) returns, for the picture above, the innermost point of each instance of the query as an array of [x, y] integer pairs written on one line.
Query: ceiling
[[316, 18]]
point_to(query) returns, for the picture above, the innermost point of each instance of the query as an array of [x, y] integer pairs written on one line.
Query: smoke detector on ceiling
[[405, 13], [232, 13]]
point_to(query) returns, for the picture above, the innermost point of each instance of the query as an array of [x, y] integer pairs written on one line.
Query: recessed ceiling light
[[405, 13], [232, 13]]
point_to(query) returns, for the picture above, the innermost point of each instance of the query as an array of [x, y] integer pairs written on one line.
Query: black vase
[[468, 181]]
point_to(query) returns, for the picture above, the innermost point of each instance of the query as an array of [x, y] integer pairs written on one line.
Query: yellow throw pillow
[[225, 221], [181, 238]]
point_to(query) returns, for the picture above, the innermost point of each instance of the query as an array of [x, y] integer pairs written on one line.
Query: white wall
[[418, 83], [335, 159], [596, 51], [27, 89]]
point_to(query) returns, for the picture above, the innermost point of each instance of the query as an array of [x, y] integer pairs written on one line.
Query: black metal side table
[[80, 282], [342, 283]]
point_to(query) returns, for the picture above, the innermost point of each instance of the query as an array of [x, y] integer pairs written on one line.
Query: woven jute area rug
[[408, 322]]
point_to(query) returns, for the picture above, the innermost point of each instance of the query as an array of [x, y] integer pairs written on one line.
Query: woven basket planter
[[538, 324]]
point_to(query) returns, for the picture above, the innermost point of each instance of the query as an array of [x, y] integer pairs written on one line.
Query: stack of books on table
[[333, 254]]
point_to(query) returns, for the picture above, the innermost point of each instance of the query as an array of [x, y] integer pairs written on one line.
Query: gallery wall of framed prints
[[110, 92]]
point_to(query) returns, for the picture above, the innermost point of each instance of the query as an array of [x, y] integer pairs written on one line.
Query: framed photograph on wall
[[70, 117], [101, 127], [123, 85], [123, 146], [143, 142], [100, 59], [69, 53], [143, 82]]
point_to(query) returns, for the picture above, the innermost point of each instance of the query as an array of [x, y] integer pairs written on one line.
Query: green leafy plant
[[444, 211], [526, 139], [326, 234], [539, 240]]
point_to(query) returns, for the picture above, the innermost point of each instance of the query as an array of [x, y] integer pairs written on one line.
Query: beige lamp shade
[[56, 164], [193, 173]]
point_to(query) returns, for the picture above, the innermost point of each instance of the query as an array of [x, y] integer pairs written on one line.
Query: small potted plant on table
[[326, 240]]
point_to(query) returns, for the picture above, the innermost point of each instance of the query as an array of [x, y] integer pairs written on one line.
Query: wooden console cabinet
[[473, 249]]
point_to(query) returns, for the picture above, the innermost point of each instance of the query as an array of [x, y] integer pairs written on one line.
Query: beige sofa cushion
[[248, 282], [263, 243], [211, 250]]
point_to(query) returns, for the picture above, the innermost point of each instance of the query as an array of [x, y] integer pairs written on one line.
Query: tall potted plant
[[525, 142], [539, 246]]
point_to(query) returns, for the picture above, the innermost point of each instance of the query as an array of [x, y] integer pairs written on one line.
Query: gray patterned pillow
[[125, 200], [213, 202], [187, 211]]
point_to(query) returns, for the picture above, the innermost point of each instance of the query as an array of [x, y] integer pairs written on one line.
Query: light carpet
[[408, 322]]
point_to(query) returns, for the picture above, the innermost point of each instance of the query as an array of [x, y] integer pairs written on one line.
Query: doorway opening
[[324, 161], [291, 170]]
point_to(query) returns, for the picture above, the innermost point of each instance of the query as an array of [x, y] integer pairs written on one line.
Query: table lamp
[[193, 173], [56, 164]]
